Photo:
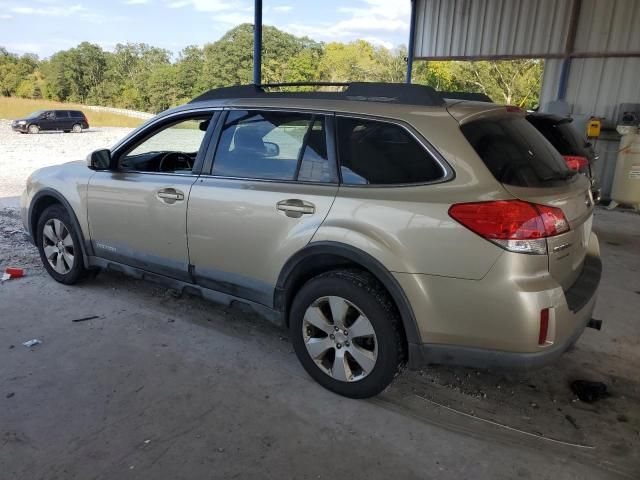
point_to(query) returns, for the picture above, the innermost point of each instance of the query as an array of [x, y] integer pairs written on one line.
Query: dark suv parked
[[66, 120]]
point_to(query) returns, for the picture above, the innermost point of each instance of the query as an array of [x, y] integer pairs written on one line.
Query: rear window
[[562, 136], [381, 153], [516, 153]]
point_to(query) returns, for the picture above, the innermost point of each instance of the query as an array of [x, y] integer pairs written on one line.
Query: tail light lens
[[575, 162], [514, 225]]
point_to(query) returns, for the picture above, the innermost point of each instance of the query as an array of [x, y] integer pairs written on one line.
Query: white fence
[[120, 111]]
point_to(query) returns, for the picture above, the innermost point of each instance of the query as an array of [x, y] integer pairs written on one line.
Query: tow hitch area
[[593, 323]]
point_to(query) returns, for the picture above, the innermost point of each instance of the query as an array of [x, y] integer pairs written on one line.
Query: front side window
[[172, 149], [273, 146], [381, 153]]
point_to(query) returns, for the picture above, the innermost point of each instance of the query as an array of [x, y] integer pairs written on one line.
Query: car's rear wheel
[[59, 246], [346, 333], [33, 129], [77, 128]]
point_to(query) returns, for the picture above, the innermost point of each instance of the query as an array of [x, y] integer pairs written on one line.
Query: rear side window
[[62, 114], [274, 146], [381, 153], [76, 114], [516, 153]]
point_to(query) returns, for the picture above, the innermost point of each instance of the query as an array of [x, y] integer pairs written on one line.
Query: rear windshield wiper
[[560, 176]]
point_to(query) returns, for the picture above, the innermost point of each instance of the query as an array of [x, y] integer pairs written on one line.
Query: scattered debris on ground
[[32, 343], [85, 319], [588, 391]]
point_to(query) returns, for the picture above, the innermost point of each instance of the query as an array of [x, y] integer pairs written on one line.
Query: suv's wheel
[[33, 129], [77, 128], [346, 333], [59, 245]]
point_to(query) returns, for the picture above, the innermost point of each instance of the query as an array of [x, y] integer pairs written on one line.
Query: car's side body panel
[[69, 181], [238, 236], [130, 223]]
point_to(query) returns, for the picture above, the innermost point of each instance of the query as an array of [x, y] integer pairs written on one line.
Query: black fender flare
[[50, 192], [355, 255]]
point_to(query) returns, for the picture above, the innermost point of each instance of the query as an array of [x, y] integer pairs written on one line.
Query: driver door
[[137, 211]]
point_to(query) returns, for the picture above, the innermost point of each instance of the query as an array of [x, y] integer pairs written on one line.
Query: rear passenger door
[[272, 183]]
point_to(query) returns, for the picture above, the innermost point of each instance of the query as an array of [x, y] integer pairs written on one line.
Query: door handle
[[170, 195], [295, 208]]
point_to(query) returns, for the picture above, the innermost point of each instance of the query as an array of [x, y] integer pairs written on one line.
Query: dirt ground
[[167, 386], [22, 154]]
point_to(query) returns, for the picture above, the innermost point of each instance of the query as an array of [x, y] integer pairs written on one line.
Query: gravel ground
[[22, 154], [496, 425]]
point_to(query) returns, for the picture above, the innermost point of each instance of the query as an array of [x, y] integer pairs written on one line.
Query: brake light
[[514, 225], [575, 162], [513, 109]]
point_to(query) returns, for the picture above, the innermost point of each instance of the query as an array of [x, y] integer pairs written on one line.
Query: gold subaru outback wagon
[[380, 224]]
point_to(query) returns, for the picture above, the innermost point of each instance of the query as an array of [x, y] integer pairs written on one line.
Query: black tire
[[77, 270], [363, 291], [33, 129], [76, 128]]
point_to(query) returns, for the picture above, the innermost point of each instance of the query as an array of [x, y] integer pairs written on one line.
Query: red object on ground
[[15, 272]]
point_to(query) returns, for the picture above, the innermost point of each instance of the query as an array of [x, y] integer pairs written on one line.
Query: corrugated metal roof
[[608, 26], [482, 28], [526, 28]]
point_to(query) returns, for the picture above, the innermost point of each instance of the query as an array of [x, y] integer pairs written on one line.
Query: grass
[[12, 107]]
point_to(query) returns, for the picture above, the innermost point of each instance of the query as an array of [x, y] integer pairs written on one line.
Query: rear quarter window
[[516, 153], [381, 153]]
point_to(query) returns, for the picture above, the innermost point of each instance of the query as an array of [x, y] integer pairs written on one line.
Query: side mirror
[[271, 149], [99, 159]]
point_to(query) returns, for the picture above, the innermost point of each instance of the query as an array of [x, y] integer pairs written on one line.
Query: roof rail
[[472, 96], [399, 93]]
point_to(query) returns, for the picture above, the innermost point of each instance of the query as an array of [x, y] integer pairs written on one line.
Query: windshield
[[516, 153], [35, 114]]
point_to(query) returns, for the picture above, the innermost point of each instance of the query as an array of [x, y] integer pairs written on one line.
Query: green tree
[[344, 62]]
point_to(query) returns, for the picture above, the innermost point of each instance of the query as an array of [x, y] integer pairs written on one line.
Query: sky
[[46, 26]]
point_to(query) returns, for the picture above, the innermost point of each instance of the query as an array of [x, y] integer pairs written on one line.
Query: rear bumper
[[495, 322], [424, 354]]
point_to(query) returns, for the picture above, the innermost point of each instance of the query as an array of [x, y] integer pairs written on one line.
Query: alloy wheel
[[58, 246], [340, 339]]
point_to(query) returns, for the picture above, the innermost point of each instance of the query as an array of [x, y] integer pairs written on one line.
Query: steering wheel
[[181, 161]]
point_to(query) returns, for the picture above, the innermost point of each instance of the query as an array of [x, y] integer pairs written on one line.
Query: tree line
[[142, 77]]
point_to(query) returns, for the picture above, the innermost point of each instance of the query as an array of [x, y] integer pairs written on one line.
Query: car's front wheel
[[346, 333], [59, 246], [33, 129]]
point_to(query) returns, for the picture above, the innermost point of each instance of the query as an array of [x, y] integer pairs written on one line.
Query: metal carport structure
[[591, 50]]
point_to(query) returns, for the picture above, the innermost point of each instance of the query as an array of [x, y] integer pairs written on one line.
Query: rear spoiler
[[471, 96]]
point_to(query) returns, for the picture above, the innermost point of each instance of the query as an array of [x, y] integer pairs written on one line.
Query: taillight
[[514, 225], [575, 162]]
